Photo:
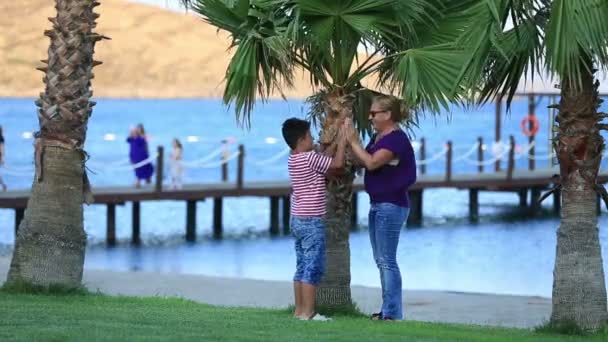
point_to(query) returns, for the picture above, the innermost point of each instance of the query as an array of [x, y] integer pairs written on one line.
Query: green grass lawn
[[99, 317]]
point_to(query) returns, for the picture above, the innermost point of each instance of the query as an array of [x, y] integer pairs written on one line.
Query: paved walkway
[[436, 306]]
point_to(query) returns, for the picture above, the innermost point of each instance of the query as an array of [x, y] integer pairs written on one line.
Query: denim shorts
[[309, 233]]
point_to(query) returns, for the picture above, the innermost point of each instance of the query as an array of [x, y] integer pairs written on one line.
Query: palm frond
[[577, 31], [263, 61], [258, 67], [521, 51], [427, 77], [498, 59]]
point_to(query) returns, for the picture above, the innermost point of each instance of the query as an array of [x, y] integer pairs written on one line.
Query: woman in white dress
[[177, 168]]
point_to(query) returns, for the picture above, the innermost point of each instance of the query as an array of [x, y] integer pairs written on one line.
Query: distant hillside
[[153, 52]]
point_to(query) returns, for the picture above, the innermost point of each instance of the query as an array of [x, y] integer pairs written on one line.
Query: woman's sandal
[[378, 317]]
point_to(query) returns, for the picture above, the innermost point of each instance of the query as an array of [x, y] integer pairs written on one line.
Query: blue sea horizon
[[504, 253]]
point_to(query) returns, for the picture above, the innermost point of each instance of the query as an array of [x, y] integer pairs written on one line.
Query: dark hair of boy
[[293, 130]]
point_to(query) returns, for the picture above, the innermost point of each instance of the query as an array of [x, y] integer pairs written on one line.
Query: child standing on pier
[[307, 170], [176, 164]]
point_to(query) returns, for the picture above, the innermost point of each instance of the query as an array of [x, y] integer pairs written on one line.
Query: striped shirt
[[307, 174]]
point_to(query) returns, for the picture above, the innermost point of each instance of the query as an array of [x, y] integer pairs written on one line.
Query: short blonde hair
[[398, 110]]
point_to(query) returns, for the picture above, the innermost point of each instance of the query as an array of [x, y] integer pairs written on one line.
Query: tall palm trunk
[[579, 290], [334, 289], [50, 244]]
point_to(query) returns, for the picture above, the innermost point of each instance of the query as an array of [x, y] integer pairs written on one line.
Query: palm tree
[[274, 38], [50, 244], [510, 39]]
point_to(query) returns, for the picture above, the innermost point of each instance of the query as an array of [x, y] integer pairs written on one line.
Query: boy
[[307, 170]]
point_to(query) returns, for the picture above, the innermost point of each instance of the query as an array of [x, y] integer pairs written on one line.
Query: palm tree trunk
[[579, 290], [50, 244], [334, 289]]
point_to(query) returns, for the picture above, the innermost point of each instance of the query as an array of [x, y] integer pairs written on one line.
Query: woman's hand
[[349, 130]]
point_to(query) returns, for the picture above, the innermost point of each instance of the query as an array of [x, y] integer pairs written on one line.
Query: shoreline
[[419, 305]]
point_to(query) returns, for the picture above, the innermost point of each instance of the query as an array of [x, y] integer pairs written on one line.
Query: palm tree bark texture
[[50, 244], [579, 289], [334, 290]]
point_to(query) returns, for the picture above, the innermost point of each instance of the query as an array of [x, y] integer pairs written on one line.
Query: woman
[[138, 152], [2, 184], [390, 170]]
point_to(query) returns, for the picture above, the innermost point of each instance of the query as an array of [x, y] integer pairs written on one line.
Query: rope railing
[[219, 162], [545, 157], [146, 161], [265, 162], [197, 162], [466, 155], [489, 161], [525, 151], [500, 151], [435, 157], [106, 164], [497, 157]]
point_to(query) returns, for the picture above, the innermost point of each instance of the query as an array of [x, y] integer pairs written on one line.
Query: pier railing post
[[225, 155], [497, 130], [240, 167], [422, 156], [531, 109], [159, 169], [448, 159], [511, 165], [480, 154]]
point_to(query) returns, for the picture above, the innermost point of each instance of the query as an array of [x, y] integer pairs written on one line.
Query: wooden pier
[[519, 182], [501, 178]]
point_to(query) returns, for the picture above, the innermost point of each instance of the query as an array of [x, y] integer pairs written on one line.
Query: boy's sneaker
[[319, 317]]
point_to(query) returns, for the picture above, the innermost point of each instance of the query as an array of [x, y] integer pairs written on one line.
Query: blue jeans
[[309, 233], [385, 223]]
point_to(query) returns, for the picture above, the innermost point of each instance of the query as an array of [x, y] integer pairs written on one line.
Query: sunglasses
[[374, 112]]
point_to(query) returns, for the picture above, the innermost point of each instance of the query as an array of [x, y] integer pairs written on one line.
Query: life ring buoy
[[525, 126]]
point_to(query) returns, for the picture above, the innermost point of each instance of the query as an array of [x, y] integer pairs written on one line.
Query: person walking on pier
[[307, 170], [177, 169], [138, 152], [390, 170]]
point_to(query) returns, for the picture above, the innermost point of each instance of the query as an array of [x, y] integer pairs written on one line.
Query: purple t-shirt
[[390, 182]]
